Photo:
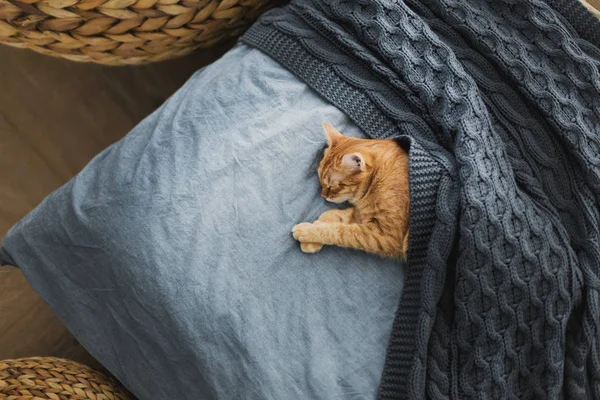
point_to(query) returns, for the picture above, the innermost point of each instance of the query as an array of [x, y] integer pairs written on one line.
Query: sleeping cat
[[372, 175]]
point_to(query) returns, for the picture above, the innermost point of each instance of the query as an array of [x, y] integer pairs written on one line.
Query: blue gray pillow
[[170, 256]]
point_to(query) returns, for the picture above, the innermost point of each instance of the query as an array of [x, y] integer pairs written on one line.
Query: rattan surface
[[42, 378], [117, 32]]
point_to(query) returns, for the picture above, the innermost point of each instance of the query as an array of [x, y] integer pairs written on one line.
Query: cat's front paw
[[304, 232], [310, 247]]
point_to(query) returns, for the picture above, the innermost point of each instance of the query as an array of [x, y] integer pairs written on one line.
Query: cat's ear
[[333, 136], [354, 162]]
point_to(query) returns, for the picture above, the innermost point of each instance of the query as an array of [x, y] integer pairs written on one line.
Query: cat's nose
[[323, 194]]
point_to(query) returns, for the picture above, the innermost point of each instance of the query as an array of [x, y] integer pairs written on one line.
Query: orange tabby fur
[[372, 175]]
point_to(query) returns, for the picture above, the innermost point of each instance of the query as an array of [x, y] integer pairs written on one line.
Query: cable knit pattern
[[499, 102]]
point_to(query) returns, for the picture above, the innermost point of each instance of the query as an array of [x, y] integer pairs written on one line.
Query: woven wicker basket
[[117, 32], [39, 378]]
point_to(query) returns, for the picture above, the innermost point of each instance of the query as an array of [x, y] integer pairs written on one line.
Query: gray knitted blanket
[[499, 102]]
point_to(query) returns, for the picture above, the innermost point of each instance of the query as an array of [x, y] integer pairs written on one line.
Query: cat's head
[[344, 169]]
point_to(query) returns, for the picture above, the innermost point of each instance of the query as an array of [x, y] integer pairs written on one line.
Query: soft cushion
[[170, 256]]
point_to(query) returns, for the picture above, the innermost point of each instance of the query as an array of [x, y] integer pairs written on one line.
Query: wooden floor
[[55, 115]]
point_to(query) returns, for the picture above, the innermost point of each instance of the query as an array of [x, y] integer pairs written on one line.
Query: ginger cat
[[372, 175]]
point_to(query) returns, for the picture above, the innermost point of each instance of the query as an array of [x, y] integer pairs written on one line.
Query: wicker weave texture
[[41, 378], [117, 32]]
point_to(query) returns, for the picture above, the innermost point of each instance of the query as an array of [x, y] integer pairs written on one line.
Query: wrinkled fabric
[[170, 256], [500, 101]]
